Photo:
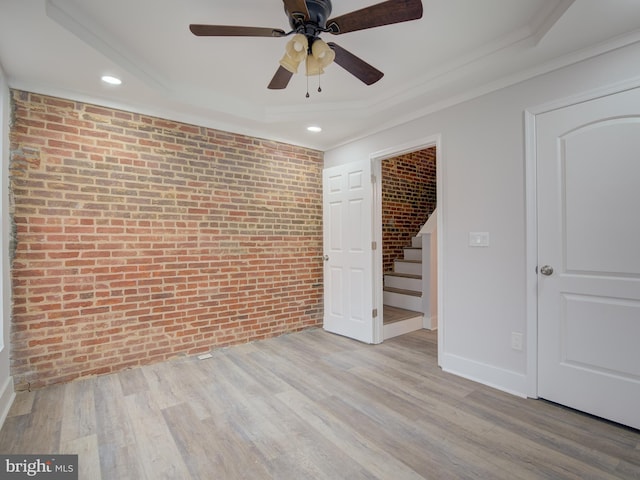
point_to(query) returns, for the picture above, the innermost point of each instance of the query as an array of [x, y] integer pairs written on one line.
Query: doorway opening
[[406, 199]]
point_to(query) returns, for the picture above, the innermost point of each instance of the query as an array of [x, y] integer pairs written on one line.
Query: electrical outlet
[[516, 341]]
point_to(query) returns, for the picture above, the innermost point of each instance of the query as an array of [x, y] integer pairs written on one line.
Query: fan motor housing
[[319, 11]]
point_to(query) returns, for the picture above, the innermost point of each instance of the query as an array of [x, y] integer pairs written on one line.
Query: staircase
[[402, 294]]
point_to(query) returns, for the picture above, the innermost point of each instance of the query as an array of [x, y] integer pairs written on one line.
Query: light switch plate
[[478, 239]]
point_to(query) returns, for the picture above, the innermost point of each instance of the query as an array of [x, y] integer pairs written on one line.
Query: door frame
[[376, 170], [531, 215]]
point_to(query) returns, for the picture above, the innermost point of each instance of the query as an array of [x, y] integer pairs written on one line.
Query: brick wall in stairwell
[[408, 198], [139, 239]]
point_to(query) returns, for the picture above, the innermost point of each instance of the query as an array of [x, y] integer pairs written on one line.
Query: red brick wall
[[138, 239], [408, 198]]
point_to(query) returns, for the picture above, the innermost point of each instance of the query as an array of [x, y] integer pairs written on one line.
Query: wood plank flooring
[[395, 314], [312, 405]]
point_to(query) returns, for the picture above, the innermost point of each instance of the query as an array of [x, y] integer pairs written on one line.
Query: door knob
[[546, 270], [326, 258]]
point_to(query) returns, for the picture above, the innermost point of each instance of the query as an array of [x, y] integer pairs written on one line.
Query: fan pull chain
[[319, 85], [306, 67]]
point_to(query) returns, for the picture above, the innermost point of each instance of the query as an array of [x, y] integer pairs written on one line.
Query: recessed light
[[111, 80], [314, 129]]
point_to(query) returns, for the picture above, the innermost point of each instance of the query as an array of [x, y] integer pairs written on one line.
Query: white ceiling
[[459, 48]]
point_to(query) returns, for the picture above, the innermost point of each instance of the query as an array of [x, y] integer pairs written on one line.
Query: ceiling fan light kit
[[308, 19], [322, 54], [295, 52]]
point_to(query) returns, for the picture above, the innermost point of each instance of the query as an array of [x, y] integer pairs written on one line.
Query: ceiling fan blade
[[297, 8], [281, 79], [232, 31], [356, 66], [385, 13]]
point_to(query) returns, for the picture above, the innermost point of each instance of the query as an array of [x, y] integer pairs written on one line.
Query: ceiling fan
[[308, 20]]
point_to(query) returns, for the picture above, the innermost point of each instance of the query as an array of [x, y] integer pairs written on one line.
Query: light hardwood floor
[[312, 405], [395, 314]]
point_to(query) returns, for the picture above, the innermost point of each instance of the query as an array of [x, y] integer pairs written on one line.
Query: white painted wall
[[6, 382], [429, 236], [482, 169]]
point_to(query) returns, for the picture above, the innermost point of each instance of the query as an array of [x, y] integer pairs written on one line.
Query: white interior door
[[588, 194], [348, 282]]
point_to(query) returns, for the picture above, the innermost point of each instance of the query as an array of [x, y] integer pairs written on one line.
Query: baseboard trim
[[505, 380], [7, 395], [430, 323], [395, 329]]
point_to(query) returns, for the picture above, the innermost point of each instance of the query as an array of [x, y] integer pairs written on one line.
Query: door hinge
[[373, 178], [374, 313], [374, 245]]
